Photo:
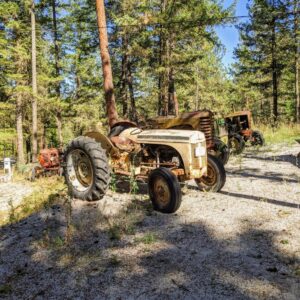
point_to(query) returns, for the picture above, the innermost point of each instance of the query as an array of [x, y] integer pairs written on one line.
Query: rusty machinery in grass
[[240, 131], [163, 158], [49, 163]]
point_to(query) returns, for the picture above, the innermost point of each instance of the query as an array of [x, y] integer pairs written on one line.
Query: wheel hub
[[80, 170], [162, 192], [211, 177]]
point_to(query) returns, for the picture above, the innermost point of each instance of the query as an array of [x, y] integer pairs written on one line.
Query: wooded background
[[162, 51]]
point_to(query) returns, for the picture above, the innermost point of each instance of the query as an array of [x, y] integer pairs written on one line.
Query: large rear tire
[[164, 190], [216, 176], [86, 169]]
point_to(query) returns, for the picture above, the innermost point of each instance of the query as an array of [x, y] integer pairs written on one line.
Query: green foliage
[[147, 239], [265, 67], [156, 39]]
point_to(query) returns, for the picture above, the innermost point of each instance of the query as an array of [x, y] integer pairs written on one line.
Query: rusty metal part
[[199, 120], [210, 179], [178, 172], [161, 192]]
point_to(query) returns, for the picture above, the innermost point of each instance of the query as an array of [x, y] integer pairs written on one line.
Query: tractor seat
[[122, 143]]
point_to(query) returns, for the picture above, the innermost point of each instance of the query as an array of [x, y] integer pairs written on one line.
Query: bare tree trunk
[[163, 85], [19, 125], [297, 63], [56, 49], [58, 118], [43, 141], [34, 85], [172, 101], [124, 94], [274, 73], [133, 113], [111, 108], [197, 90]]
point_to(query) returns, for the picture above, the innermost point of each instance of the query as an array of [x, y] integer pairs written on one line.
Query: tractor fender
[[105, 142]]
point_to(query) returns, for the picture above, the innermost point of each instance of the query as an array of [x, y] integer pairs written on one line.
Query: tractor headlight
[[200, 151]]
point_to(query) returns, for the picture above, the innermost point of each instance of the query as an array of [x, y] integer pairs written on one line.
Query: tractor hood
[[170, 136]]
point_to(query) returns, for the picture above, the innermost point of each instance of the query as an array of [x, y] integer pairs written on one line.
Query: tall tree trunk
[[34, 84], [124, 94], [172, 97], [133, 113], [56, 49], [19, 127], [43, 141], [111, 108], [159, 85], [172, 101], [58, 118], [164, 71], [297, 63], [274, 73], [197, 90]]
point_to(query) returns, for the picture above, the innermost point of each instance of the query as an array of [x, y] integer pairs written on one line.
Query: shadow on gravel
[[261, 199], [271, 176], [294, 160], [65, 254]]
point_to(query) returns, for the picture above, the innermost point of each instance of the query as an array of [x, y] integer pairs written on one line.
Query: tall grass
[[283, 133]]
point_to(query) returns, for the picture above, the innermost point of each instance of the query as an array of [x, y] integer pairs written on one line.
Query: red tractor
[[49, 163]]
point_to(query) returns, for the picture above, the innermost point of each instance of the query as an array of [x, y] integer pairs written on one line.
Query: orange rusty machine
[[240, 123], [49, 163]]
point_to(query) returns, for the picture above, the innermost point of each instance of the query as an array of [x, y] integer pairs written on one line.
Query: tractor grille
[[207, 127]]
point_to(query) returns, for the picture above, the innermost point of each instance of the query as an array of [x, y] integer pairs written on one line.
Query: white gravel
[[12, 194]]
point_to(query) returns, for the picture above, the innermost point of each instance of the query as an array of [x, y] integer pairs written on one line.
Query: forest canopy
[[161, 51]]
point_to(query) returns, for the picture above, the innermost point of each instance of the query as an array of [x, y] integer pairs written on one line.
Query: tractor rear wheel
[[164, 190], [257, 139], [216, 176], [237, 144], [86, 169]]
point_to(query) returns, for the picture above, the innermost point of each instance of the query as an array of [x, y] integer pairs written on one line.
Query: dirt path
[[242, 243], [12, 194]]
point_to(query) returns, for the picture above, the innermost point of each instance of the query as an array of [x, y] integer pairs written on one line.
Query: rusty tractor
[[240, 131], [218, 153], [163, 158], [49, 163]]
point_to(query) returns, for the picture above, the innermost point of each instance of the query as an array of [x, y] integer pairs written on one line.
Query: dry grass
[[283, 133], [45, 192]]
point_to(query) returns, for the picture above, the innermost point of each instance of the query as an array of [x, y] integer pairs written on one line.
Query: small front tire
[[257, 139], [222, 151], [164, 190], [236, 144]]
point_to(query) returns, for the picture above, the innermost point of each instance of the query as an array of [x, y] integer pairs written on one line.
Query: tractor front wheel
[[164, 190], [236, 144], [257, 139], [222, 151], [86, 169], [215, 178]]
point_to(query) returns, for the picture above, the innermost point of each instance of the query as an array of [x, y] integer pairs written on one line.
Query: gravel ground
[[12, 194], [242, 243]]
